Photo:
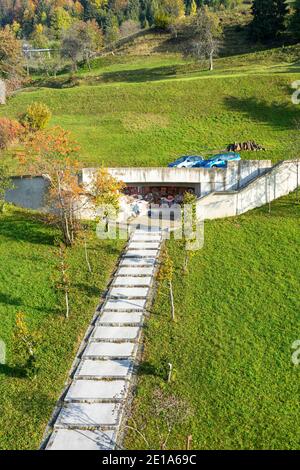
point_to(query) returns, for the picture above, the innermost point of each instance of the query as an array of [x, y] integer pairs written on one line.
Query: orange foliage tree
[[52, 153]]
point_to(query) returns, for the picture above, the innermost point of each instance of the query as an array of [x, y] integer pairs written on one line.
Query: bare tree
[[167, 411], [81, 42], [166, 274], [208, 32]]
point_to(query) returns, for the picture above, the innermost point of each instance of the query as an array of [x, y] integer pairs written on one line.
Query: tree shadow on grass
[[280, 116], [88, 289], [146, 368], [12, 371], [139, 75], [6, 299], [28, 228]]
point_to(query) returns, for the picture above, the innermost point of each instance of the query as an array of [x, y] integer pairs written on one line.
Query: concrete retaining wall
[[28, 192], [223, 193], [204, 180], [282, 179]]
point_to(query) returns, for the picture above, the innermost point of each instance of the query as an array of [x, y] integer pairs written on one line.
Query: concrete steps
[[91, 412]]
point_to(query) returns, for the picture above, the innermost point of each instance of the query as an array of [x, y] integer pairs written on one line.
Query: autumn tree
[[52, 153], [81, 42], [168, 12], [208, 32], [11, 65]]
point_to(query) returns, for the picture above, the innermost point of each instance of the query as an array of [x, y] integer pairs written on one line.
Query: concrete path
[[91, 412]]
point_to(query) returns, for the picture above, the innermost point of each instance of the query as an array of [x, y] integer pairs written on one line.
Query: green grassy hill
[[147, 111]]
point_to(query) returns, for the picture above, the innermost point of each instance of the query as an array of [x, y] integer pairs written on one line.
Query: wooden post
[[189, 442]]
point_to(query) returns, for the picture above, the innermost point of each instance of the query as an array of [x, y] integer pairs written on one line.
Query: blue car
[[218, 161], [187, 161]]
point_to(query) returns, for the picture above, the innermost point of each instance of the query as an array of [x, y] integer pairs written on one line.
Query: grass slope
[[237, 317], [27, 266], [149, 111]]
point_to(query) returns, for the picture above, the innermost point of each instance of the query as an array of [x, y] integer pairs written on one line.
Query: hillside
[[125, 102]]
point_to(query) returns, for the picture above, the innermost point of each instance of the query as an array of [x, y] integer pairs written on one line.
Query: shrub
[[10, 132], [36, 117]]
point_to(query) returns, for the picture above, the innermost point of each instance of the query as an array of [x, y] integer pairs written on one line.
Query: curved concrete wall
[[279, 181]]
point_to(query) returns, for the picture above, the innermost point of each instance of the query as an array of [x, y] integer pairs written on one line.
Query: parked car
[[187, 161], [218, 161]]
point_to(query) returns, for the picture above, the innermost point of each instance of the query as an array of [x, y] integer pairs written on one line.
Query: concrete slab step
[[136, 271], [83, 415], [91, 390], [141, 253], [103, 368], [131, 281], [121, 318], [146, 236], [116, 333], [124, 304], [134, 261], [109, 350], [127, 292], [78, 439], [143, 245]]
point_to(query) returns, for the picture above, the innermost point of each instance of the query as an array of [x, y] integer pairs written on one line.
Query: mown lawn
[[148, 111], [237, 317], [28, 262]]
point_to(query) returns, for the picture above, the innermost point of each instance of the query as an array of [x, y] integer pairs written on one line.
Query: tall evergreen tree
[[295, 24], [268, 19]]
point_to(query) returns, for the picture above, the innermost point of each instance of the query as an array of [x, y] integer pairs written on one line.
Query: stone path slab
[[130, 281], [118, 368], [121, 318], [134, 261], [78, 439], [144, 245], [122, 292], [128, 304], [98, 387], [141, 253], [111, 350], [97, 390], [116, 333], [136, 271], [83, 415], [142, 236]]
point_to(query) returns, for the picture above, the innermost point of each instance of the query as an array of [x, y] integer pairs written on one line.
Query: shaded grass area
[[152, 123], [237, 317], [28, 263]]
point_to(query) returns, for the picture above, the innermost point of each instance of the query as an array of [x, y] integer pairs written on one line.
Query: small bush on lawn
[[10, 132], [36, 117]]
